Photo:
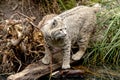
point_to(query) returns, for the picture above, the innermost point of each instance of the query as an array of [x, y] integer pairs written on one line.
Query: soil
[[9, 7]]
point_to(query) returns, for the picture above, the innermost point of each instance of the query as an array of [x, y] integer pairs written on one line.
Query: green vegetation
[[107, 51], [66, 4]]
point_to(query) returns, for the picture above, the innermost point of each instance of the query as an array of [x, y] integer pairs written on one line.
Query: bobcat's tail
[[97, 7]]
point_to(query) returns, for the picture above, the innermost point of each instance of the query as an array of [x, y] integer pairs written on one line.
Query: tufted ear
[[55, 23]]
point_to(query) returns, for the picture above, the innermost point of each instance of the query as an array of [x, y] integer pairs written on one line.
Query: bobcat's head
[[54, 29]]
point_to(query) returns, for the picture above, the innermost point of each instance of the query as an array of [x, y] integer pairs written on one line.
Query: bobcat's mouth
[[59, 34]]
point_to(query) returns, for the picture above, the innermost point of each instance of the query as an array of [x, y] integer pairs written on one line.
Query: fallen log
[[38, 69], [66, 74]]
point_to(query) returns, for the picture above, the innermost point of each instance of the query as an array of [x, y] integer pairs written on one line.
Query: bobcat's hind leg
[[85, 34], [82, 43], [79, 54]]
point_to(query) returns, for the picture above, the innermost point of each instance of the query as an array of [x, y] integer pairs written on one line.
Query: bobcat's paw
[[78, 55], [45, 61], [65, 66]]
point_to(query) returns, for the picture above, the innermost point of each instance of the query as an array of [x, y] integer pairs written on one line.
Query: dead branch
[[19, 36], [67, 73], [30, 20]]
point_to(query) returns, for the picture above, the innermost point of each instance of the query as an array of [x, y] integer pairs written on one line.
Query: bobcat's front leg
[[66, 54], [46, 59]]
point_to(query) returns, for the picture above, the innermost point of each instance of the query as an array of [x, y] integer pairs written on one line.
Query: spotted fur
[[64, 30]]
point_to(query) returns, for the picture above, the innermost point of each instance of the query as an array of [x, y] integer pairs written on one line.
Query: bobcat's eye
[[54, 24], [47, 38]]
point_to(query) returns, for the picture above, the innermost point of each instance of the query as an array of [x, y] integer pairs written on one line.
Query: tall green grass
[[107, 51], [66, 4]]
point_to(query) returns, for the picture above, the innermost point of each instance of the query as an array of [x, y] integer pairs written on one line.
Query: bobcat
[[64, 30]]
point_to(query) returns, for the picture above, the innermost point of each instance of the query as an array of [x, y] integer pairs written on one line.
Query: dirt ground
[[32, 8], [9, 7]]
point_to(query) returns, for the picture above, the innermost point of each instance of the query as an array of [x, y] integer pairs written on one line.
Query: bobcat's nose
[[59, 34]]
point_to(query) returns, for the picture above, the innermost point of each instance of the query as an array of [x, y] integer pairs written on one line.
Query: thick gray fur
[[64, 30]]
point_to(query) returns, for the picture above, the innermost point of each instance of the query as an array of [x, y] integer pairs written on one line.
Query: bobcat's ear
[[55, 23]]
